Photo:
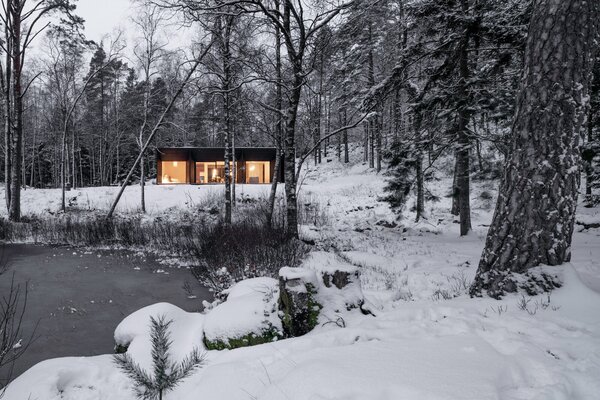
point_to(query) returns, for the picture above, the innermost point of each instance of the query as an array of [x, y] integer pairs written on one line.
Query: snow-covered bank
[[429, 340], [455, 349]]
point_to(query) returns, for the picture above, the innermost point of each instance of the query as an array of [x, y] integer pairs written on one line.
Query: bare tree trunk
[[226, 54], [63, 161], [535, 214], [6, 88], [143, 183], [32, 177], [14, 212], [339, 140], [344, 123], [234, 173], [279, 124], [155, 129], [73, 162], [419, 168], [463, 165], [290, 155], [366, 141], [455, 210], [378, 144], [327, 123], [372, 129], [274, 182], [589, 176]]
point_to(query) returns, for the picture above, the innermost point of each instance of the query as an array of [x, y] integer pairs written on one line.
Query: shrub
[[221, 254], [225, 254]]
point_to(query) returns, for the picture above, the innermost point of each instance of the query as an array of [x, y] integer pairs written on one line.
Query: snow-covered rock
[[248, 316], [133, 333], [297, 303]]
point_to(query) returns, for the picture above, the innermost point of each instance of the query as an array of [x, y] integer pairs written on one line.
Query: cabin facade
[[205, 165]]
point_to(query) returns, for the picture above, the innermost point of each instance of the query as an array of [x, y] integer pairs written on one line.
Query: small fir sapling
[[166, 375]]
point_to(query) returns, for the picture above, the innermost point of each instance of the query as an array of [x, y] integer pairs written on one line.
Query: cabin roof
[[214, 153]]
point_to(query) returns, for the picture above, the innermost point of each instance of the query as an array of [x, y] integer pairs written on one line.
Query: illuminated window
[[258, 172], [173, 171], [212, 172]]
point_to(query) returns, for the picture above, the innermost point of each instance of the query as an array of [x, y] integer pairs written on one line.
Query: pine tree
[[401, 170], [166, 375], [535, 213]]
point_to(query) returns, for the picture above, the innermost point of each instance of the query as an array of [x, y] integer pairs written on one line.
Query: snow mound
[[71, 378], [334, 300], [305, 275], [134, 331], [250, 310]]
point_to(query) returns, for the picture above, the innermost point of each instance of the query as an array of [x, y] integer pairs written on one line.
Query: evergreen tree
[[166, 375], [457, 65], [402, 160]]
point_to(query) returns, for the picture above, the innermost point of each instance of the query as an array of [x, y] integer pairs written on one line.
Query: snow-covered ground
[[160, 199], [428, 340]]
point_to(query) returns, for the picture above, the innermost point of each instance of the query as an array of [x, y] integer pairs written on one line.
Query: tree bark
[[535, 213], [6, 88], [378, 143], [142, 184], [420, 209], [463, 164], [372, 133], [455, 208], [589, 168], [289, 166], [344, 123], [366, 141], [14, 212], [278, 125]]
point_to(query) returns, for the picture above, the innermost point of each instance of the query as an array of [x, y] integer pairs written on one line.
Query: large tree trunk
[[535, 213]]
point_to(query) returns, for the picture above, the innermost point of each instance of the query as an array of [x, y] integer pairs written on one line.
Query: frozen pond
[[78, 297]]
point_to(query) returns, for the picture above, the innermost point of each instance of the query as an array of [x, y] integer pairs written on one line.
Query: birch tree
[[148, 51], [22, 21]]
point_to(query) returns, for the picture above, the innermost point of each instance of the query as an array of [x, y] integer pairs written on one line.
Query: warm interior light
[[214, 174], [175, 163], [252, 167]]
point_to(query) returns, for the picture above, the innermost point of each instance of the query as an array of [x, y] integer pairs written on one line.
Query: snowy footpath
[[428, 339]]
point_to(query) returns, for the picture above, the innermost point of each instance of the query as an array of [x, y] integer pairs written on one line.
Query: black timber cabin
[[205, 165]]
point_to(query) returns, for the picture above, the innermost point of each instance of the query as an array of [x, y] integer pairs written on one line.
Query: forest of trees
[[406, 82]]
